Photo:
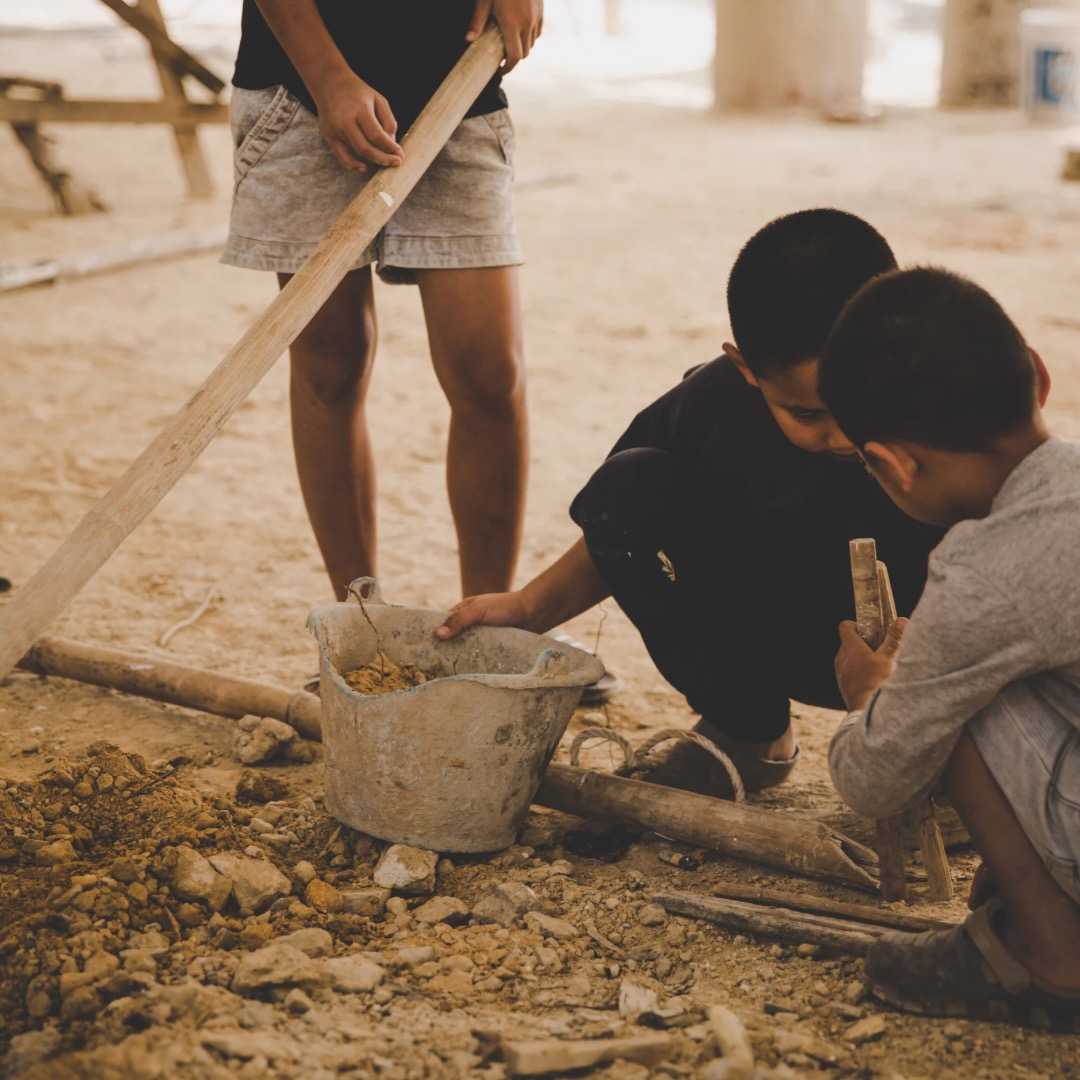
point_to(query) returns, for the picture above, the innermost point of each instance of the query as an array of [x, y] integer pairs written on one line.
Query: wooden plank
[[32, 608], [819, 905], [68, 194], [185, 135], [19, 275], [783, 923], [786, 841], [539, 1057], [177, 684], [180, 60], [938, 874], [889, 845], [106, 111]]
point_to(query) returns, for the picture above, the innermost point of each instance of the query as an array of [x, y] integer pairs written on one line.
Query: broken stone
[[651, 915], [368, 902], [256, 882], [260, 738], [311, 940], [442, 909], [635, 999], [276, 964], [507, 904], [322, 896], [873, 1027], [59, 851], [297, 1002], [559, 929], [350, 974], [304, 872], [406, 870], [193, 878], [257, 787], [854, 992]]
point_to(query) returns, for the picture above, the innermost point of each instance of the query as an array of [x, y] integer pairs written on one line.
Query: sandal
[[688, 767], [966, 971]]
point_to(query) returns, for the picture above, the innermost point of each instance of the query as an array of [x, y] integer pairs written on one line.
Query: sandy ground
[[623, 292]]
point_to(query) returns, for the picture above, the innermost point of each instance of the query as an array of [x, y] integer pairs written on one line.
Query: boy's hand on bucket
[[860, 670], [491, 609]]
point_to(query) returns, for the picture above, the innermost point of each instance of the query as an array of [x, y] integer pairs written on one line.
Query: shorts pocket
[[503, 128], [267, 127]]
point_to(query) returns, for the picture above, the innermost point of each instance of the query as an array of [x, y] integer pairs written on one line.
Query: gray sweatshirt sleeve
[[964, 643]]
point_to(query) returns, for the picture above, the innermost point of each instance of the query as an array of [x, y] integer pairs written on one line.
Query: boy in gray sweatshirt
[[979, 697]]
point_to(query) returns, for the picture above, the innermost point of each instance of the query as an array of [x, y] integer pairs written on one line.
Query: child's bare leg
[[1041, 924], [474, 328], [331, 364]]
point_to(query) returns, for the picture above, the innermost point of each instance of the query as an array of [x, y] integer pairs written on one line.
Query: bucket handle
[[367, 589], [550, 664]]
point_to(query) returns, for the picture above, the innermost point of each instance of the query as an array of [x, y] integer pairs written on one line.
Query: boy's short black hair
[[791, 280], [928, 357]]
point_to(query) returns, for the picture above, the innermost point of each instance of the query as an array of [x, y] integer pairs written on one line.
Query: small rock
[[397, 905], [304, 871], [322, 897], [651, 915], [368, 902], [193, 878], [407, 870], [276, 964], [414, 957], [59, 851], [124, 870], [297, 1002], [256, 882], [256, 934], [808, 951], [507, 904], [29, 1049], [257, 787], [559, 929], [635, 999], [350, 974], [442, 909], [873, 1027], [310, 940], [854, 992], [663, 967], [260, 738], [453, 982]]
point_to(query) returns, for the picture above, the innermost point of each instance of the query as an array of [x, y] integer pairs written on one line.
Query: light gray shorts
[[289, 189], [1034, 755]]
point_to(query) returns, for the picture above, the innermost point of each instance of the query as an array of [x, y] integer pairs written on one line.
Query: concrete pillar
[[982, 61], [781, 53]]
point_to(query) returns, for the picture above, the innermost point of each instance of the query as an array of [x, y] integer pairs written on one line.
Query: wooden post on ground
[[31, 609], [875, 611], [185, 133]]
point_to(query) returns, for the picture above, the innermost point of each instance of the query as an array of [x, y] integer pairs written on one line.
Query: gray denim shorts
[[1034, 755], [289, 188]]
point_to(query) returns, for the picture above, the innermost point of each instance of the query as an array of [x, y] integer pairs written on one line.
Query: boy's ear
[[736, 358], [1042, 376], [893, 462]]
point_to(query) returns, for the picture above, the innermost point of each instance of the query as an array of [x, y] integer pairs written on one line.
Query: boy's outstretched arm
[[356, 121], [565, 589], [520, 21]]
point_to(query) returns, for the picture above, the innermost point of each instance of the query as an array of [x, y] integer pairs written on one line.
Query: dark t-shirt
[[402, 48], [784, 501]]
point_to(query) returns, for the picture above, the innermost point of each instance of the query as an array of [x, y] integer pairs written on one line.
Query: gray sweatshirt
[[996, 635]]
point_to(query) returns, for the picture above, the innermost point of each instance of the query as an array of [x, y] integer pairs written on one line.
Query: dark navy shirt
[[402, 48]]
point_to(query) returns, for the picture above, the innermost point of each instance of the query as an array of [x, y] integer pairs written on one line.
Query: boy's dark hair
[[927, 356], [791, 280]]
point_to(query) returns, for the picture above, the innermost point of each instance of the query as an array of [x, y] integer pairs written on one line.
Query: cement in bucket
[[451, 765]]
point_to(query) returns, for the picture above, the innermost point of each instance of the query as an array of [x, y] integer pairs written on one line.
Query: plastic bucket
[[451, 765], [1050, 39]]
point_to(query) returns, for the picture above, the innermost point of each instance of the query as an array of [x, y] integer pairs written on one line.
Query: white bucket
[[1050, 39]]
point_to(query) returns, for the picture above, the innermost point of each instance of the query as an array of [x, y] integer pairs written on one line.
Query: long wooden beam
[[153, 474], [103, 111], [180, 60]]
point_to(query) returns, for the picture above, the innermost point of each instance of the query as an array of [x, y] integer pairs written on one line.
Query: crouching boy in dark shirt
[[721, 518], [930, 379]]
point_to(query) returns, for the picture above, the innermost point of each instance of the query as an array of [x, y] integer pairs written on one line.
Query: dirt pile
[[383, 676], [152, 931]]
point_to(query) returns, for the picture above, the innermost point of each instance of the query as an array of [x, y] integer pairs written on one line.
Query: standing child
[[929, 378], [721, 518], [323, 89]]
